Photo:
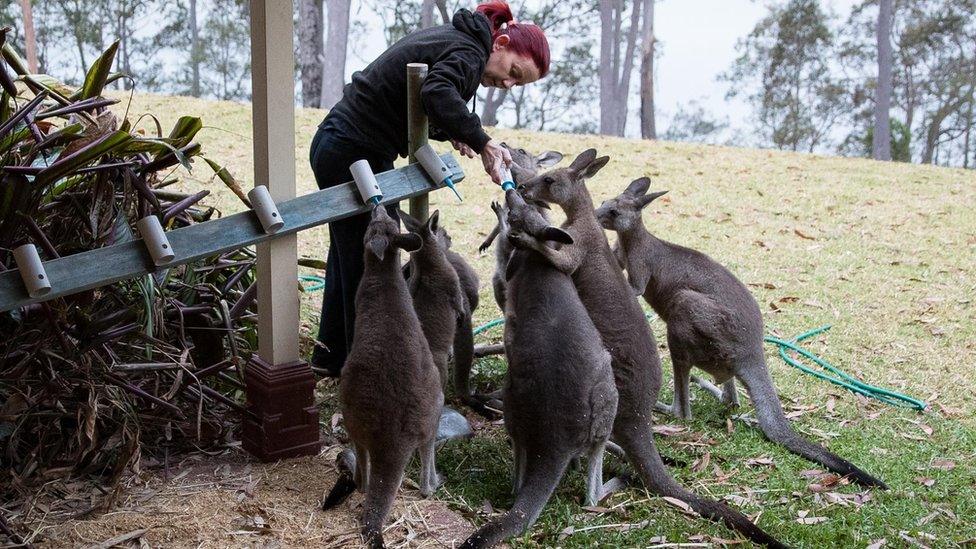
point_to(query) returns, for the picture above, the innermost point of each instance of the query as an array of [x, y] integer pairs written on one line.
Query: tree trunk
[[310, 56], [334, 66], [442, 7], [493, 100], [30, 37], [427, 14], [934, 130], [968, 138], [608, 77], [648, 125], [196, 55], [122, 59], [627, 69], [881, 146]]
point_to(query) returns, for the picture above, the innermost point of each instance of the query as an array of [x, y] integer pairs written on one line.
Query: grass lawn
[[884, 252]]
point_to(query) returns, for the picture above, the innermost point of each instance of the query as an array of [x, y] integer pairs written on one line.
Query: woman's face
[[506, 68]]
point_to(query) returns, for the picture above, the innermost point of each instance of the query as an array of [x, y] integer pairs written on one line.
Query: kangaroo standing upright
[[436, 290], [560, 398], [390, 391], [624, 330], [713, 323], [432, 286], [527, 166]]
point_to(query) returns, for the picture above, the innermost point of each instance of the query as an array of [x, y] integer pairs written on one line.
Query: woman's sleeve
[[445, 106]]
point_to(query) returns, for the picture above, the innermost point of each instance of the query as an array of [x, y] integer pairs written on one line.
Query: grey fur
[[618, 317], [431, 286], [560, 398], [713, 323], [436, 290], [389, 392], [526, 166]]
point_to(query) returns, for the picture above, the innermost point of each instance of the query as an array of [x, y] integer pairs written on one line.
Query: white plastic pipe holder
[[432, 163], [265, 208], [153, 235], [32, 271], [369, 189]]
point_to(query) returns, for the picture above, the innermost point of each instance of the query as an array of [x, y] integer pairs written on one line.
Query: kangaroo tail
[[777, 428], [386, 474], [646, 459], [345, 483], [541, 480], [344, 486], [463, 356]]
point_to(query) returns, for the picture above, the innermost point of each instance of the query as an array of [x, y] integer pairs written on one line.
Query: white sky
[[697, 39]]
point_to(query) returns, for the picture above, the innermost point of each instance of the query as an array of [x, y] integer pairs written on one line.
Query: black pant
[[331, 155]]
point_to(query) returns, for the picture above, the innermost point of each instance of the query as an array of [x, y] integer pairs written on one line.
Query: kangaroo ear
[[409, 242], [594, 167], [583, 160], [378, 245], [638, 187], [520, 174], [432, 221], [548, 159], [555, 234], [647, 199], [409, 221], [541, 204]]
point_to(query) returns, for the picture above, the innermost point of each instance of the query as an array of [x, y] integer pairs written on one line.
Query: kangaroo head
[[383, 233], [526, 219], [623, 212], [525, 165], [561, 185], [431, 231]]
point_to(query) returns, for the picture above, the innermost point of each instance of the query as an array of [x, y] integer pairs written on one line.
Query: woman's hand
[[494, 156], [463, 149]]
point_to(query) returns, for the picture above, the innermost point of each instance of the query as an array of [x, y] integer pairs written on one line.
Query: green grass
[[883, 252]]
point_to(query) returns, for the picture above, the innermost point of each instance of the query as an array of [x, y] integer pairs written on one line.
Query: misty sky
[[697, 38]]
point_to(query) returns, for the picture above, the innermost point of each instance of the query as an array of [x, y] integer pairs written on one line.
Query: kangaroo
[[444, 286], [390, 393], [436, 290], [464, 337], [525, 166], [625, 333], [713, 323], [560, 398]]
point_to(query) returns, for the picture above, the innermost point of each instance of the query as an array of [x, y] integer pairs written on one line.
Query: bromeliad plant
[[92, 383]]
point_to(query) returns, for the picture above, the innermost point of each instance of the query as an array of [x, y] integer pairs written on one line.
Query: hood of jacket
[[475, 25]]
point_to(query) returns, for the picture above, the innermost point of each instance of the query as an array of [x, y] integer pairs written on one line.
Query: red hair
[[524, 38]]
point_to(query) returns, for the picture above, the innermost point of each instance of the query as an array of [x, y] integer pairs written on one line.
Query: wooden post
[[282, 420], [416, 128]]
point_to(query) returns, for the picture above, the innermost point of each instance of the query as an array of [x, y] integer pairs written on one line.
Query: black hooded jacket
[[373, 108]]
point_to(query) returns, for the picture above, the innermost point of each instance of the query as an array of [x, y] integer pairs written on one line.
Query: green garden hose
[[844, 380], [889, 397], [317, 282]]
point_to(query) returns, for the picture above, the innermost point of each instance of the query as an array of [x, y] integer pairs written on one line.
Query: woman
[[370, 121]]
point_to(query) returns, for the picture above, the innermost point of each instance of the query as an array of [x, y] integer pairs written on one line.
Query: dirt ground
[[226, 501]]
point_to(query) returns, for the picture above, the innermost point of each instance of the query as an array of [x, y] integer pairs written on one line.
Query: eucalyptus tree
[[783, 71]]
